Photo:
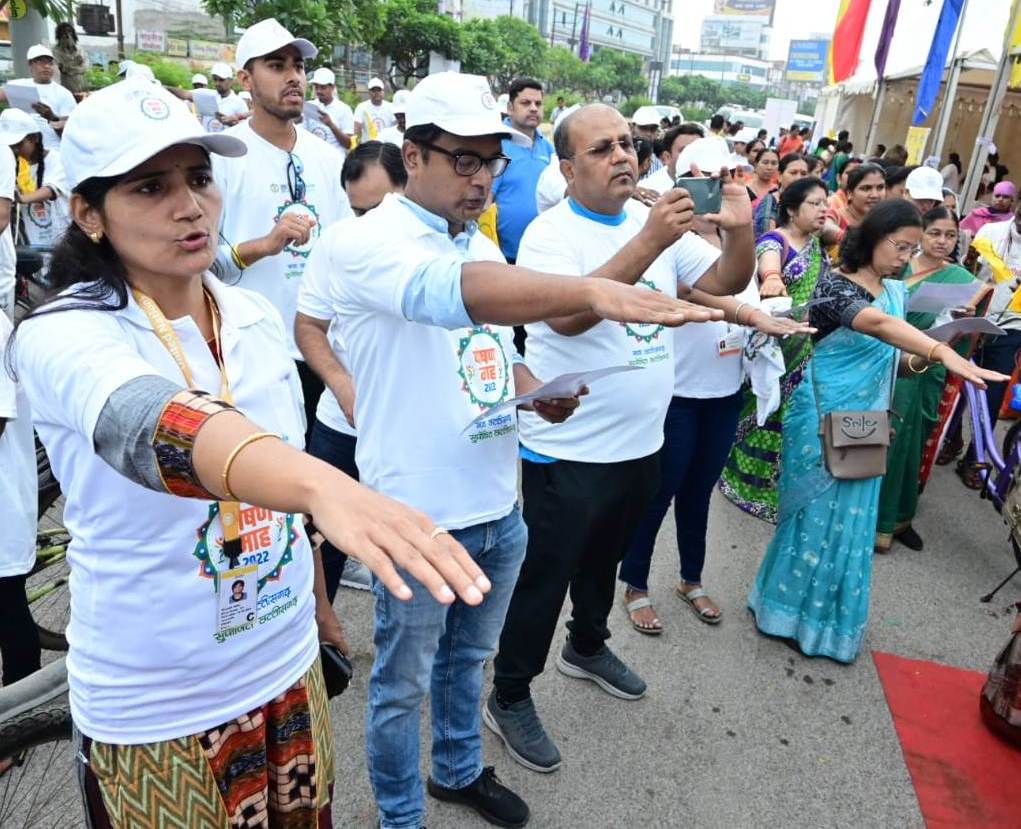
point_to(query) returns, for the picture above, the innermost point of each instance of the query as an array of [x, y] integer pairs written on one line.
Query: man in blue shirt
[[514, 191]]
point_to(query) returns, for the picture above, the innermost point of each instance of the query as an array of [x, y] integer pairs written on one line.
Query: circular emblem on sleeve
[[154, 108]]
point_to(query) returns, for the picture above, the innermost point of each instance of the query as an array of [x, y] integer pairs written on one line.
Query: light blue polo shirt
[[514, 191]]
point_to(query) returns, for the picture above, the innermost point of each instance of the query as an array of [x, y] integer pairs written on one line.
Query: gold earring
[[95, 236]]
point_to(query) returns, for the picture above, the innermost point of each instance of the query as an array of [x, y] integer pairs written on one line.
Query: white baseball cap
[[924, 183], [15, 125], [221, 70], [709, 155], [459, 104], [376, 83], [199, 79], [324, 76], [646, 116], [400, 102], [38, 51], [267, 36], [149, 120], [123, 67], [141, 72]]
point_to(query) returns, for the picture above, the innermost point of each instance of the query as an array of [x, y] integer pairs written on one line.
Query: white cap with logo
[[924, 183], [149, 120], [459, 104], [38, 51], [15, 125], [376, 83], [646, 116], [199, 80], [267, 36], [323, 76], [221, 70]]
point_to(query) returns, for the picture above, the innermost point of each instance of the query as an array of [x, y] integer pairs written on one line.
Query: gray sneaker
[[520, 728], [356, 575], [604, 669]]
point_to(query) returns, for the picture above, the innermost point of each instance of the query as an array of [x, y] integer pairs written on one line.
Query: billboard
[[806, 60], [759, 8], [733, 34]]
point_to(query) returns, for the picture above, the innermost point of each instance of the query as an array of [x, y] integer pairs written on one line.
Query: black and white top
[[847, 298]]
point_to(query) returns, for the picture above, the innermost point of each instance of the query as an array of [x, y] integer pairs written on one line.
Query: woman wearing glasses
[[813, 584], [918, 395], [790, 261]]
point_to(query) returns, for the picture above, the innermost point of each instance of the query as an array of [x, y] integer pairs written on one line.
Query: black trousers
[[19, 638], [311, 389], [580, 518]]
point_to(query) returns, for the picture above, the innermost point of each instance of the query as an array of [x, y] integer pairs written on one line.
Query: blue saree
[[814, 582]]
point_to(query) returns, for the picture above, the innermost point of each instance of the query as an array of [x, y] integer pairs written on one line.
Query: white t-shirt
[[59, 99], [381, 116], [551, 187], [19, 482], [1007, 243], [622, 418], [661, 181], [256, 191], [419, 386], [392, 135], [229, 104], [45, 222], [341, 115], [8, 184], [146, 662], [314, 301]]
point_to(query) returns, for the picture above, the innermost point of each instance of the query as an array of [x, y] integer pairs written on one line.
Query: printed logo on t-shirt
[[267, 542], [641, 331], [301, 208], [651, 349], [215, 125], [485, 377], [39, 215], [320, 131]]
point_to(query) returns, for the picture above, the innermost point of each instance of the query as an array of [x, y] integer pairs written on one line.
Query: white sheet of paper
[[566, 385], [311, 111], [206, 101], [963, 327], [936, 297], [21, 95]]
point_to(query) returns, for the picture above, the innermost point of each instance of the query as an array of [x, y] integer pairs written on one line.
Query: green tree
[[565, 70], [612, 71], [409, 31], [502, 48], [324, 22]]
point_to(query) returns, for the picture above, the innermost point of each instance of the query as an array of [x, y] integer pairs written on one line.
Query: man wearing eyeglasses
[[289, 180], [422, 311], [586, 483]]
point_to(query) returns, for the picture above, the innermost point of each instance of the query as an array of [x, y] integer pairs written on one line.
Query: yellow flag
[[984, 247], [1015, 43]]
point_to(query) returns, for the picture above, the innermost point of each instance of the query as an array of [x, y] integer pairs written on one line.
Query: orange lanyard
[[230, 511]]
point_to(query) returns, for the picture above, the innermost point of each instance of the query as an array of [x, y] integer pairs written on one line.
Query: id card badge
[[236, 598], [731, 344]]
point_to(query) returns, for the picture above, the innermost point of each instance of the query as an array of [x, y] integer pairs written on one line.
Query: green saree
[[916, 404]]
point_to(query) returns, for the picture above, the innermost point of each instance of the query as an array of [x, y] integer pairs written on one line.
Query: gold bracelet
[[234, 252], [225, 475], [911, 365], [933, 351]]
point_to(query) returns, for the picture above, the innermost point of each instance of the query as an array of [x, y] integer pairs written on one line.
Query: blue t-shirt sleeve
[[433, 294]]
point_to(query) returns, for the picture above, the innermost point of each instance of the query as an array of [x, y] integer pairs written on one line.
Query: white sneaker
[[356, 575]]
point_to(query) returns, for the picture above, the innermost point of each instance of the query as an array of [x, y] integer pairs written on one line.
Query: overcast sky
[[985, 21]]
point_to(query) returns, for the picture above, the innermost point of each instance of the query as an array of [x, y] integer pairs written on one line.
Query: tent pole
[[950, 92], [991, 116], [877, 112]]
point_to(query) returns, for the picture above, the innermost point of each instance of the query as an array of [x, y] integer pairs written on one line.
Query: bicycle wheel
[[1010, 440], [39, 789], [49, 595]]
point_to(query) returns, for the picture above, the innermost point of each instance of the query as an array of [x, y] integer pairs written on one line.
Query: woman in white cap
[[142, 375], [45, 216]]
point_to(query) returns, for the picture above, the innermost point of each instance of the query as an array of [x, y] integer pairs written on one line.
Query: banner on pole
[[1015, 54], [915, 143]]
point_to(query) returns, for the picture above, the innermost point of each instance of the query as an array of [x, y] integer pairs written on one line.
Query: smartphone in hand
[[705, 192]]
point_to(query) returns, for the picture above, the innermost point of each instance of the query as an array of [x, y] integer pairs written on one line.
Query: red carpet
[[964, 775]]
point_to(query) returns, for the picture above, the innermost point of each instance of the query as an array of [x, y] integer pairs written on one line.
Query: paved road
[[736, 730]]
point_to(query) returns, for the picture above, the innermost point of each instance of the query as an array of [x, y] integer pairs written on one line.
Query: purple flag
[[886, 36], [584, 46]]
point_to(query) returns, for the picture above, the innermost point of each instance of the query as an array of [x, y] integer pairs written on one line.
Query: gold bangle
[[933, 351], [225, 476], [911, 365], [237, 257]]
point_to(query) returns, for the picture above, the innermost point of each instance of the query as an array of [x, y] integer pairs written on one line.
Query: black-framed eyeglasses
[[295, 183], [467, 163]]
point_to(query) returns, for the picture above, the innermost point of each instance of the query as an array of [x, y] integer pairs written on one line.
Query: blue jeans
[[425, 647], [697, 437]]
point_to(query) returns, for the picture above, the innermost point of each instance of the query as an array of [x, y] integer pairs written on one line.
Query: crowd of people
[[281, 353]]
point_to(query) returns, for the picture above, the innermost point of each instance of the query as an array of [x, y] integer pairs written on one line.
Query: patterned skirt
[[271, 768]]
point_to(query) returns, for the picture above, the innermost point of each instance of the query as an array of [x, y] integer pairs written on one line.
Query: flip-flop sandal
[[704, 615], [638, 604]]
